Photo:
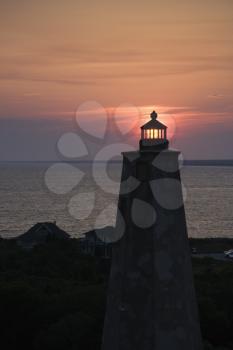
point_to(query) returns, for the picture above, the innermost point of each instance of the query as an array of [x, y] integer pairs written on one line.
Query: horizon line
[[112, 161]]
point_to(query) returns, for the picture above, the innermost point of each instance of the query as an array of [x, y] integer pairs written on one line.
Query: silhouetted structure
[[151, 300], [41, 233], [154, 134], [92, 244]]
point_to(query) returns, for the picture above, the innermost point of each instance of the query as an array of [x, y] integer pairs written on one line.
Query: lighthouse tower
[[151, 300]]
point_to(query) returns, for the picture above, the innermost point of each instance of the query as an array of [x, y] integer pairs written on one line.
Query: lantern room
[[153, 134]]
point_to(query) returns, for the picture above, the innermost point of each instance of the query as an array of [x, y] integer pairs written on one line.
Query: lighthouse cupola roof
[[153, 123]]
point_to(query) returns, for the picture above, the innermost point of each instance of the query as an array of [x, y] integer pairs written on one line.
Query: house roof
[[153, 123], [41, 232], [101, 235]]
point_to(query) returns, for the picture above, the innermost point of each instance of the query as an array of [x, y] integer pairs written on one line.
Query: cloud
[[216, 96], [17, 77], [31, 94]]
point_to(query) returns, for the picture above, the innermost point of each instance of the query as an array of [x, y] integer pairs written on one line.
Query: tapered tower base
[[151, 301]]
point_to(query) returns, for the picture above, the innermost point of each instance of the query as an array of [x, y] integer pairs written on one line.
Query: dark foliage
[[214, 288], [53, 297]]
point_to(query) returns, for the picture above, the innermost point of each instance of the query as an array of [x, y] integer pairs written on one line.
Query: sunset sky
[[174, 56]]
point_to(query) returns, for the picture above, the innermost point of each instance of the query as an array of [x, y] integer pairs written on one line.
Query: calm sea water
[[25, 199]]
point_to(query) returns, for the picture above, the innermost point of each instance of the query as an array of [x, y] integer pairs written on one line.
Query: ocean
[[37, 192]]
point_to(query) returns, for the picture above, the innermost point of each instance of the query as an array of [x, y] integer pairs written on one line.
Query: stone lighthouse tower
[[151, 300]]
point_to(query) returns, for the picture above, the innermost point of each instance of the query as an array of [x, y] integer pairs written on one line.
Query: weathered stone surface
[[151, 300]]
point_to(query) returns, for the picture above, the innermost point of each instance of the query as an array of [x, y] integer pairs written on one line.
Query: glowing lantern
[[154, 134]]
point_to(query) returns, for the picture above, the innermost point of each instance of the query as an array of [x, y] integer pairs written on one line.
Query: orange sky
[[174, 55]]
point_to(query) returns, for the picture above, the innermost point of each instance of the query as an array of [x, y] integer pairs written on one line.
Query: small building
[[93, 245], [41, 233]]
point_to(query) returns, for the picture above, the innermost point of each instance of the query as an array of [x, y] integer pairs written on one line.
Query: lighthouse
[[151, 302]]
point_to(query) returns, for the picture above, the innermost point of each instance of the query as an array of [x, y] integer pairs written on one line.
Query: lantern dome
[[153, 134]]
